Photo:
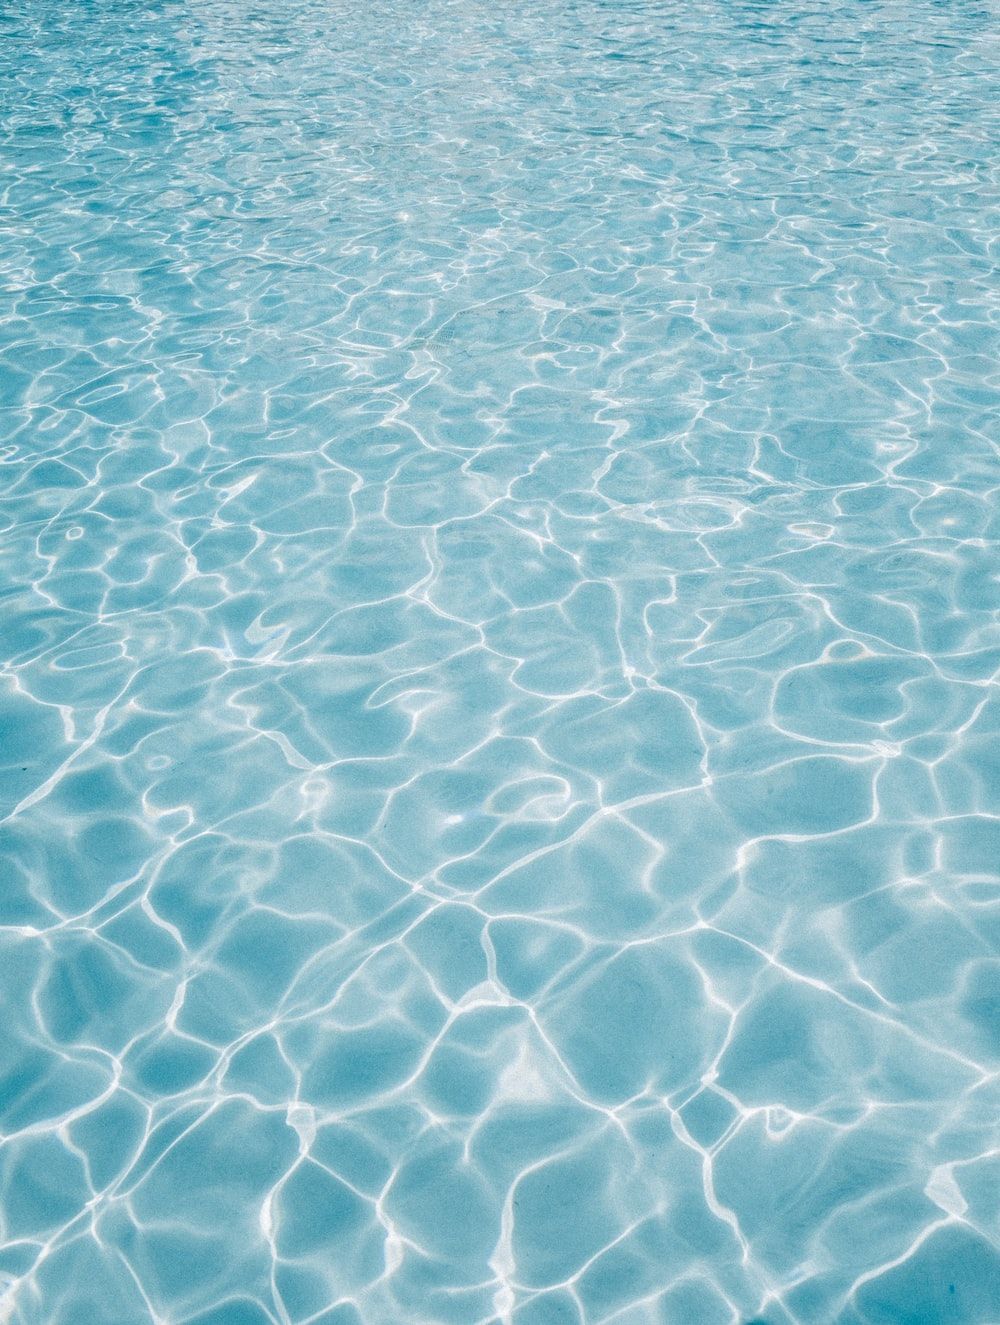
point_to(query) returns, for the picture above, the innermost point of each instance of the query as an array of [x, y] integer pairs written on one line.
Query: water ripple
[[498, 698]]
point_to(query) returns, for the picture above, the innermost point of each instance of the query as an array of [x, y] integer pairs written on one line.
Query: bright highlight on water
[[499, 739]]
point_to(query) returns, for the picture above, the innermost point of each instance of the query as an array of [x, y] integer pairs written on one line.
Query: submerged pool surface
[[498, 731]]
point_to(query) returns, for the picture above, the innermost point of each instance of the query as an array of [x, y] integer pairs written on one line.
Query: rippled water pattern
[[499, 734]]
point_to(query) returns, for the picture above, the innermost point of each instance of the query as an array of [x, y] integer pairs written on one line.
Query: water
[[500, 750]]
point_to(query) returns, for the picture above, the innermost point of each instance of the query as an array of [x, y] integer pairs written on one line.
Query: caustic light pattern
[[498, 727]]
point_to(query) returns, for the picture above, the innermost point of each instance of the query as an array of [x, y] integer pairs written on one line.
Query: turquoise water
[[499, 744]]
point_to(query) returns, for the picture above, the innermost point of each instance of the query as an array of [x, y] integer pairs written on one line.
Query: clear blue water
[[499, 745]]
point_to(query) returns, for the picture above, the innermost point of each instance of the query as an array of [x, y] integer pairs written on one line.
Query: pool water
[[500, 748]]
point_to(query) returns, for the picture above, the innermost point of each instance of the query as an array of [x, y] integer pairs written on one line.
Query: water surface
[[498, 733]]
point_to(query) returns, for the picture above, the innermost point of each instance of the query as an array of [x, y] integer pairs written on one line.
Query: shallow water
[[499, 751]]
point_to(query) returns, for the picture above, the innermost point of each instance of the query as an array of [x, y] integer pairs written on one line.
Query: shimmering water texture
[[499, 734]]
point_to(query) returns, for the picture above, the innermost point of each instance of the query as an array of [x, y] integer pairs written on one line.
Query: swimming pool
[[498, 731]]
